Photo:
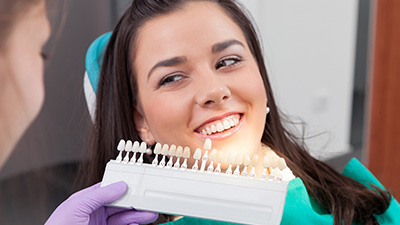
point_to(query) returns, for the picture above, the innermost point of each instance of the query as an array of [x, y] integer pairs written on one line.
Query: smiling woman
[[178, 72], [194, 83]]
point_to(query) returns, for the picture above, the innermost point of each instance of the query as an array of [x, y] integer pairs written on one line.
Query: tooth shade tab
[[172, 150], [164, 150], [239, 159], [121, 145], [254, 160], [135, 147], [207, 144], [213, 155], [282, 164], [246, 160], [128, 146], [179, 151], [231, 158], [274, 162], [197, 154], [186, 152], [277, 171], [266, 162], [143, 147], [220, 156], [157, 149]]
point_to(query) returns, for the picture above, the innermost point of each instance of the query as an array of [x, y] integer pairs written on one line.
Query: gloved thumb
[[95, 198]]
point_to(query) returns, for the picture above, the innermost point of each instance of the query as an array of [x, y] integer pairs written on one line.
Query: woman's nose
[[212, 91]]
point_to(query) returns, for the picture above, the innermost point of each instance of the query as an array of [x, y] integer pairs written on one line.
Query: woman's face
[[21, 72], [195, 75]]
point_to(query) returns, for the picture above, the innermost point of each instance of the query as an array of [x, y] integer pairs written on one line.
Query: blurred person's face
[[195, 73], [21, 75]]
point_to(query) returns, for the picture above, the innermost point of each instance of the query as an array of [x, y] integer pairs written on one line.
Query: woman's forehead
[[201, 24]]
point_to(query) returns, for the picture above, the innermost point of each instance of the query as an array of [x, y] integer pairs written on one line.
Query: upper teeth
[[220, 126]]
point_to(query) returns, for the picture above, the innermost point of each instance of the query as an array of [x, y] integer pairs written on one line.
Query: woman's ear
[[143, 128]]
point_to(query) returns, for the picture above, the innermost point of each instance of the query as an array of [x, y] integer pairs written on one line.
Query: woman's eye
[[228, 62], [170, 79]]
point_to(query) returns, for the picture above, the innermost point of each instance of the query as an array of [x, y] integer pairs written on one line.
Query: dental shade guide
[[157, 151], [128, 148], [135, 149], [204, 159], [213, 195], [120, 148], [246, 162], [186, 155], [238, 162], [282, 166], [171, 153], [178, 154], [273, 165], [266, 165], [220, 159], [254, 162], [164, 152], [231, 160], [142, 150], [197, 157], [212, 157]]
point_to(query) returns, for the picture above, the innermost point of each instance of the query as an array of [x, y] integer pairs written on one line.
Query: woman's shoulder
[[301, 208], [356, 170]]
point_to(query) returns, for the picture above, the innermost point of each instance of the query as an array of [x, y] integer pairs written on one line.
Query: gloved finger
[[96, 198], [132, 217], [113, 210]]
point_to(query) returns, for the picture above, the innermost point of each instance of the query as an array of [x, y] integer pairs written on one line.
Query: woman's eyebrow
[[220, 46], [168, 62]]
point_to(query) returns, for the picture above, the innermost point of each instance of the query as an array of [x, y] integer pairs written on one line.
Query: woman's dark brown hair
[[346, 199]]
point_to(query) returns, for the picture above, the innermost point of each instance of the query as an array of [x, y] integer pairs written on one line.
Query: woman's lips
[[221, 128]]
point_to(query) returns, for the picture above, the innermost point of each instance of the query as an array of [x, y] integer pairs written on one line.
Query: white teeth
[[227, 125], [213, 128], [220, 126], [230, 121]]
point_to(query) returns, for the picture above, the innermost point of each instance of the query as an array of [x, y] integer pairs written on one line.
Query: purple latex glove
[[86, 207]]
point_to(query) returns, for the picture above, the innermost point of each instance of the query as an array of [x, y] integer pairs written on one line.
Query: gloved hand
[[86, 207]]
